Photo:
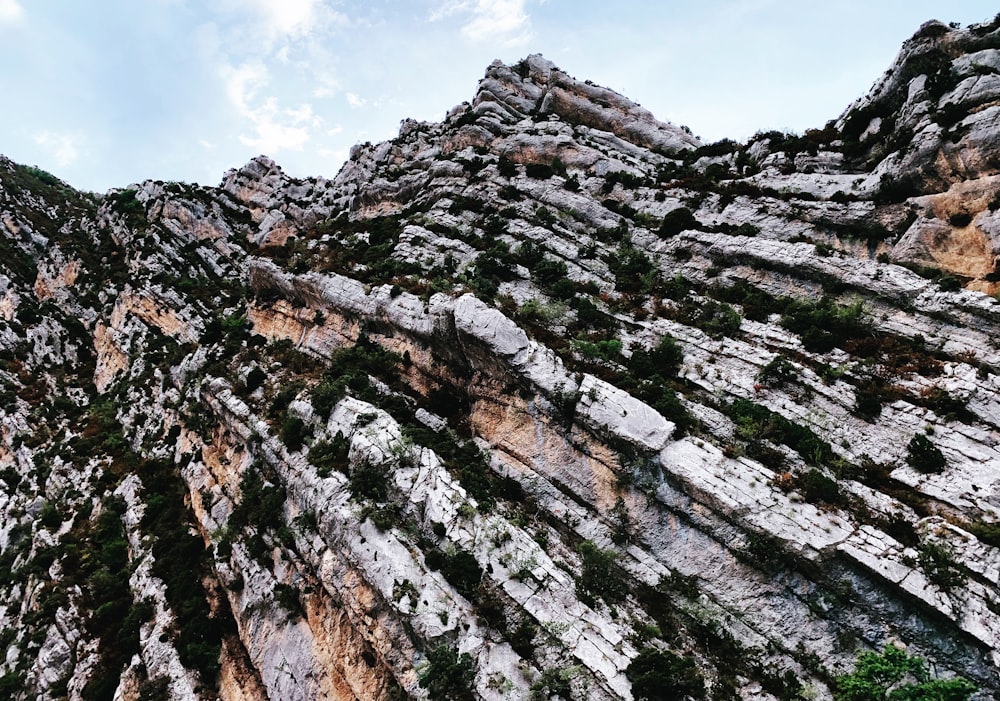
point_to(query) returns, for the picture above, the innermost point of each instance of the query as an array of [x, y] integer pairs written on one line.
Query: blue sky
[[104, 93]]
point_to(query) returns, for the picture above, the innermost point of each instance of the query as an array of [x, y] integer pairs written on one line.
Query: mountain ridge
[[516, 405]]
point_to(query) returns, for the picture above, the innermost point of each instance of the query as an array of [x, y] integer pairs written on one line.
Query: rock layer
[[514, 401]]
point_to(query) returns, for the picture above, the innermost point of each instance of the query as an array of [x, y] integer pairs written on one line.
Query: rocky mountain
[[548, 400]]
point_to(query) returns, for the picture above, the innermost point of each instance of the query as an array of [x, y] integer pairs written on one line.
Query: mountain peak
[[534, 87]]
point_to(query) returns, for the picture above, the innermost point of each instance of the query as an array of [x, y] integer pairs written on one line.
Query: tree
[[658, 675], [923, 456], [894, 675], [447, 674]]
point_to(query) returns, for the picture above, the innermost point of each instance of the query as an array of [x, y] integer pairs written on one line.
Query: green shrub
[[548, 271], [717, 319], [539, 171], [664, 359], [627, 180], [937, 560], [877, 677], [817, 487], [923, 456], [370, 481], [181, 561], [553, 683], [287, 597], [621, 522], [458, 567], [755, 302], [448, 675], [605, 349], [327, 456], [633, 270], [506, 167], [988, 533], [676, 221], [490, 268], [325, 396], [947, 406], [825, 325], [469, 464], [755, 422], [294, 433], [589, 316], [262, 504], [255, 379], [869, 394], [676, 288], [600, 575], [284, 397], [125, 203], [778, 372], [658, 675]]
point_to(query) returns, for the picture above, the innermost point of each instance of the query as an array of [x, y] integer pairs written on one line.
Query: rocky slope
[[546, 400]]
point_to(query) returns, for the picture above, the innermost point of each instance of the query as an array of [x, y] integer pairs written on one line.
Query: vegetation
[[651, 376], [294, 432], [777, 373], [553, 683], [659, 675], [448, 675], [717, 319], [348, 373], [825, 325], [181, 561], [260, 511], [664, 359], [633, 270], [600, 575], [818, 488], [923, 456], [676, 221], [755, 303], [458, 567], [469, 464], [327, 456], [115, 619], [755, 423], [897, 676], [938, 562], [593, 328]]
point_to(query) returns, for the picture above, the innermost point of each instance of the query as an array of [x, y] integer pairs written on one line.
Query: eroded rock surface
[[513, 401]]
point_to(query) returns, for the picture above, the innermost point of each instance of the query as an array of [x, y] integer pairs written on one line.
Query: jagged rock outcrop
[[513, 405]]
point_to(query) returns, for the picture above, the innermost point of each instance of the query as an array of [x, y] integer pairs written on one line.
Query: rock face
[[514, 404]]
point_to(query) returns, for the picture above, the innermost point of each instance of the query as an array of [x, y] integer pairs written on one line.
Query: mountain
[[548, 400]]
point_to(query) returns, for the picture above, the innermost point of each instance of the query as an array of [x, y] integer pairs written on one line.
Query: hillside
[[545, 400]]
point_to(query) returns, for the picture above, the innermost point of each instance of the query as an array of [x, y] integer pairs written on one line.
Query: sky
[[105, 93]]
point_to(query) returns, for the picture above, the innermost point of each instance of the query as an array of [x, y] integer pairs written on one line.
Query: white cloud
[[10, 11], [63, 146], [288, 17], [269, 24], [243, 82], [274, 129], [272, 137], [355, 101], [498, 19], [449, 8], [505, 21], [304, 114], [335, 154]]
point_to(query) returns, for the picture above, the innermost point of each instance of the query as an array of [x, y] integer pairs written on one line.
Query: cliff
[[546, 400]]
